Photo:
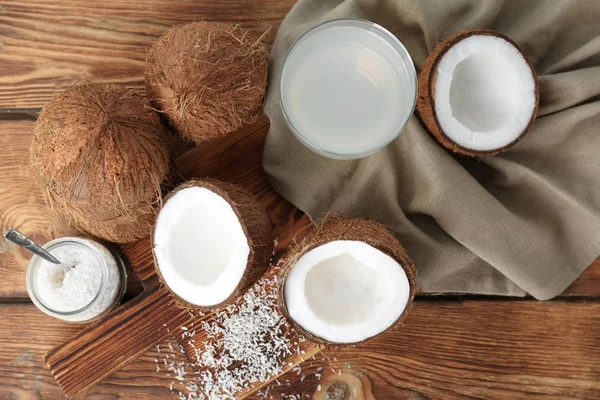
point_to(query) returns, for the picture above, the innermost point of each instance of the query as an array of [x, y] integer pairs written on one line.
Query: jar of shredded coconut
[[89, 282]]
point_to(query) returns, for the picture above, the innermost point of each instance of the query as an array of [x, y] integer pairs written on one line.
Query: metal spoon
[[28, 244]]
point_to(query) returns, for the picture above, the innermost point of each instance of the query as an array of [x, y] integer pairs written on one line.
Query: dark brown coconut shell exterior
[[334, 228], [99, 154], [207, 78], [426, 97], [256, 226]]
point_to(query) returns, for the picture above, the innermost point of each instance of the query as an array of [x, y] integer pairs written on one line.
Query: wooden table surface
[[450, 347]]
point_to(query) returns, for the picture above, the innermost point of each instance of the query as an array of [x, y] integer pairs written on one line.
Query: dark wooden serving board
[[136, 326]]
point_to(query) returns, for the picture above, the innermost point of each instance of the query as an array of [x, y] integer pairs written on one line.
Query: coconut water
[[346, 90]]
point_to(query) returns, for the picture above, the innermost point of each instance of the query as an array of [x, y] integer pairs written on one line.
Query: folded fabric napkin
[[525, 221]]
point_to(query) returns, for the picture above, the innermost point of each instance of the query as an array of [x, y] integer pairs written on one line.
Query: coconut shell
[[256, 226], [426, 97], [334, 228], [99, 155], [207, 78]]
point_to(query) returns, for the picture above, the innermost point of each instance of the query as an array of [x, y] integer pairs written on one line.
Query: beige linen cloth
[[526, 221]]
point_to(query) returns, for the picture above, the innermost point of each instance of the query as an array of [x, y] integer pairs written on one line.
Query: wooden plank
[[123, 334], [300, 351], [466, 350], [107, 345], [450, 350], [130, 331], [588, 284], [22, 207], [48, 45], [27, 334], [237, 158]]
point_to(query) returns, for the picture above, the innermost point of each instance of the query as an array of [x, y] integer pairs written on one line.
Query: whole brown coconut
[[428, 98], [255, 224], [207, 78], [100, 157], [334, 228]]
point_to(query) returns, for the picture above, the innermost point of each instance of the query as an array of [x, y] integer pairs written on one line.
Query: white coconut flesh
[[200, 246], [484, 93], [346, 291]]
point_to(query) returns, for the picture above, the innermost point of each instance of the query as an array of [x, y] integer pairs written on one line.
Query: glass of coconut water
[[348, 87]]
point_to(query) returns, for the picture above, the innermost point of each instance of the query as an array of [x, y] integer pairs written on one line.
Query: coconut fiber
[[207, 78], [524, 221], [99, 155]]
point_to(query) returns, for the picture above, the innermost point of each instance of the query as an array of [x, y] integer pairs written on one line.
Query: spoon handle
[[23, 241]]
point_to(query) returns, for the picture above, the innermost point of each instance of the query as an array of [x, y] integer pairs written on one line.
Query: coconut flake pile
[[247, 343]]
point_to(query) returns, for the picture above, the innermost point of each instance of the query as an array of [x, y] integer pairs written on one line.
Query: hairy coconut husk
[[100, 157], [207, 78], [334, 228], [256, 226], [426, 97]]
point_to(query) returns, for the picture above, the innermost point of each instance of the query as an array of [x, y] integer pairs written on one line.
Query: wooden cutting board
[[140, 324]]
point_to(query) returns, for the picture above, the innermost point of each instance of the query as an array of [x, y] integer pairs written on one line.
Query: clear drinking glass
[[373, 53], [112, 284]]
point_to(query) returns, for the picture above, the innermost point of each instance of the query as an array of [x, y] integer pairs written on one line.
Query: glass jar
[[89, 283]]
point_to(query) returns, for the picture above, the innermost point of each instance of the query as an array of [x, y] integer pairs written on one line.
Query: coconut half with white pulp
[[346, 281], [211, 243], [478, 93]]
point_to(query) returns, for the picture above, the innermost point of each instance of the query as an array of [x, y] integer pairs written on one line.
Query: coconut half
[[346, 281], [212, 242], [478, 93]]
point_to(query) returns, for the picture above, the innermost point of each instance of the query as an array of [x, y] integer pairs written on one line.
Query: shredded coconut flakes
[[247, 343]]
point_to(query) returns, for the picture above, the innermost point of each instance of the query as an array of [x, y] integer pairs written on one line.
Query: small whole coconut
[[207, 78], [212, 241], [346, 281], [99, 155], [478, 93]]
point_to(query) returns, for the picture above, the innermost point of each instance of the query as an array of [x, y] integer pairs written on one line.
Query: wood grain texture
[[446, 350], [588, 283], [122, 335], [468, 350], [107, 345], [27, 334], [48, 45], [22, 207], [99, 350]]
